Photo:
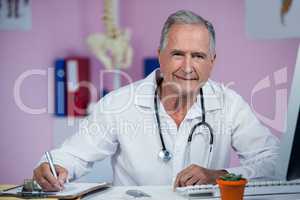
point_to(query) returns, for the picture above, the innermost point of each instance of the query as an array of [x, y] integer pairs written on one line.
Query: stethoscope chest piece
[[164, 155]]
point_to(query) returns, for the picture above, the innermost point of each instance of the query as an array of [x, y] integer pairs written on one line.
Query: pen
[[50, 161]]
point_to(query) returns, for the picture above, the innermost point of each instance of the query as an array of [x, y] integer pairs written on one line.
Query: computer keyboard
[[252, 188]]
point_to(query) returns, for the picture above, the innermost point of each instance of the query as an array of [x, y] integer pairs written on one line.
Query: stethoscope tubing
[[157, 116], [164, 154]]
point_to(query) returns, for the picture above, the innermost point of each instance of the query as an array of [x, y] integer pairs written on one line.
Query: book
[[60, 88], [78, 80]]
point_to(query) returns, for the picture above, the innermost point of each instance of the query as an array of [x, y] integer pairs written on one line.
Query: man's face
[[186, 61]]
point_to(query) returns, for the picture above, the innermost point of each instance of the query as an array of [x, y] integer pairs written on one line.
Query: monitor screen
[[293, 171]]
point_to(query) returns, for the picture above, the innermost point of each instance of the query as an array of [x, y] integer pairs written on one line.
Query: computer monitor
[[288, 167]]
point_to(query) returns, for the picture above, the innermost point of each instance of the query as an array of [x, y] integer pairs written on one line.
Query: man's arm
[[256, 147], [95, 140]]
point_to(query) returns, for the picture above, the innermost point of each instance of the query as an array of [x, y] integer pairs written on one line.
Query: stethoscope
[[164, 154]]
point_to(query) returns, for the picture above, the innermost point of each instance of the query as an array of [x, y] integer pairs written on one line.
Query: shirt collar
[[211, 97], [145, 95]]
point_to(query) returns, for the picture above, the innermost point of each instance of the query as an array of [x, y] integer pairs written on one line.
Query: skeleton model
[[112, 47]]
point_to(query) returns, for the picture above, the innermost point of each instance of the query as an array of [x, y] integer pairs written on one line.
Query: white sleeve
[[256, 147], [95, 140]]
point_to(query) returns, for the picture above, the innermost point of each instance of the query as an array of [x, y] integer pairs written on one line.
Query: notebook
[[71, 191]]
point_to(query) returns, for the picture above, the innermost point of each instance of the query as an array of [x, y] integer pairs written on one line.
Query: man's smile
[[186, 78]]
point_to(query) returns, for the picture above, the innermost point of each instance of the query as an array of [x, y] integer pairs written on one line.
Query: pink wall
[[59, 29]]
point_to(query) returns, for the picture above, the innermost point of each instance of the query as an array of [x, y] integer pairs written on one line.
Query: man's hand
[[43, 175], [196, 175]]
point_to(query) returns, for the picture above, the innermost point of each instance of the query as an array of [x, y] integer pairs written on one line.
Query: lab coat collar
[[146, 89], [212, 100]]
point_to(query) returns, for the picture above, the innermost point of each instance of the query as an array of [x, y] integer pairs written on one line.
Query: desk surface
[[156, 192], [165, 193]]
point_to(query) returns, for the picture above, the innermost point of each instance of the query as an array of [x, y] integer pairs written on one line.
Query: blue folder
[[150, 64], [60, 88]]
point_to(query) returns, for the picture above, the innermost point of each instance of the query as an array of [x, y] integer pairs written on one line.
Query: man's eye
[[199, 56], [177, 54]]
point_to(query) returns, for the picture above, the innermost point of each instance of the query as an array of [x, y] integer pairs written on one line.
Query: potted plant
[[231, 186]]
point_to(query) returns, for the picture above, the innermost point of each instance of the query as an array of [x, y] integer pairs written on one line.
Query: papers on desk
[[71, 191]]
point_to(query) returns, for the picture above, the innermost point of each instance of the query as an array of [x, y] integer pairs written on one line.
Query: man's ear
[[213, 58], [158, 54]]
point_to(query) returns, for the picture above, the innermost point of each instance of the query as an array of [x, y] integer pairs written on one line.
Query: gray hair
[[187, 17]]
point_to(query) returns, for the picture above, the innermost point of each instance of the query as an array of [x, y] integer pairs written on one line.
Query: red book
[[78, 80]]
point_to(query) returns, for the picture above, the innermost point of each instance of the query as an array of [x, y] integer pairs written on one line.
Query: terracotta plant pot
[[232, 190]]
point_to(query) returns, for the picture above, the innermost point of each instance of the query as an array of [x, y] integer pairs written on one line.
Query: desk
[[165, 193], [156, 192]]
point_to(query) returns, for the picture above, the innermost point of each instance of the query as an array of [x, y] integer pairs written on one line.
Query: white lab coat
[[123, 126]]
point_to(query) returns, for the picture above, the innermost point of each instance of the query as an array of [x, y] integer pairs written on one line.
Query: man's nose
[[188, 65]]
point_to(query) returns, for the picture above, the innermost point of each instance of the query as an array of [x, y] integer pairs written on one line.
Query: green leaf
[[231, 177]]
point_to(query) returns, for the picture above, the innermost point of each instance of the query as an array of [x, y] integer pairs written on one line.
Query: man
[[146, 127]]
